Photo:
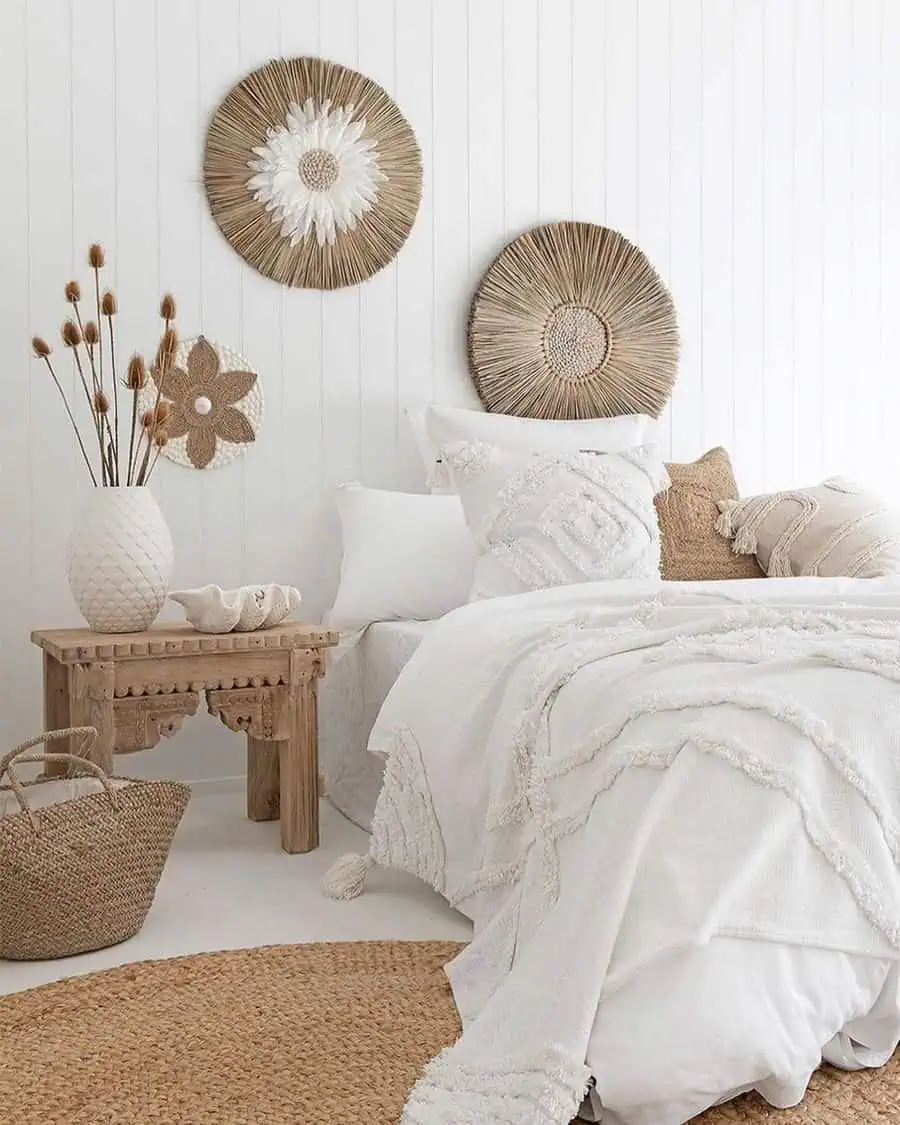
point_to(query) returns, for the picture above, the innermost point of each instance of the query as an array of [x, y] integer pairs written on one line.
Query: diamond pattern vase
[[119, 560]]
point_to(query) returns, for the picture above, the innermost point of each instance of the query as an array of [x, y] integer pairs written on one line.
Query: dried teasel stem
[[110, 306], [165, 357], [135, 380], [160, 441], [73, 295], [153, 422], [42, 351], [147, 425], [111, 464], [72, 337], [168, 309], [71, 333], [97, 260]]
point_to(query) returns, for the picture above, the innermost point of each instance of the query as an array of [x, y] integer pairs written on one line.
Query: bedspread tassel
[[346, 877]]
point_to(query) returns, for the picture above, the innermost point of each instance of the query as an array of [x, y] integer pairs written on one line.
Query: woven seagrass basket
[[80, 874]]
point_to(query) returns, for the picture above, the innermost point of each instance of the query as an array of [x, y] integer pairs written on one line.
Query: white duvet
[[673, 813]]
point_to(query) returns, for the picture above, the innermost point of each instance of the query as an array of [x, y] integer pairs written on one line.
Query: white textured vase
[[119, 560]]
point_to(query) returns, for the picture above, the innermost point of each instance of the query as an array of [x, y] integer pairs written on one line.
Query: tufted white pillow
[[553, 519]]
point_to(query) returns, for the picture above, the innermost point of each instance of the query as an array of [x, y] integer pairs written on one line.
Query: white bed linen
[[714, 983], [360, 675], [711, 1022]]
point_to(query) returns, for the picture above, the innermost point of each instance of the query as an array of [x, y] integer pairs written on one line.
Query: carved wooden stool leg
[[56, 708], [91, 705], [300, 770], [263, 796]]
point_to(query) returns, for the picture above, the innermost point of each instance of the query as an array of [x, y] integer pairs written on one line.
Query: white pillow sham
[[554, 519], [406, 557], [436, 426]]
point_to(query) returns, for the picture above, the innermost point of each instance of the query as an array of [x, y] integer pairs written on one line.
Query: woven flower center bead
[[318, 169], [202, 404], [575, 341]]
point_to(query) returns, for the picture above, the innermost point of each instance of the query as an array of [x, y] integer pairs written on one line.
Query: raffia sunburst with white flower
[[312, 173]]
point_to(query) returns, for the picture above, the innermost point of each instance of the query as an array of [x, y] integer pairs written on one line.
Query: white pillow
[[406, 557], [436, 426], [553, 519]]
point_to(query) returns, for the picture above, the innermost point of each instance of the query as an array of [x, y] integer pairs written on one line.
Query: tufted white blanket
[[602, 774]]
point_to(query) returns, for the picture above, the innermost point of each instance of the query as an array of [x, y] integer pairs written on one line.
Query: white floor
[[228, 885]]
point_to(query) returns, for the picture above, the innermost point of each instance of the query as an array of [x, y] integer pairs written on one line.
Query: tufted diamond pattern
[[119, 560], [553, 519]]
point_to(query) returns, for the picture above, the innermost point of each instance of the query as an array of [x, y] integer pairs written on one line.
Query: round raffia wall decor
[[215, 404], [572, 321], [312, 173]]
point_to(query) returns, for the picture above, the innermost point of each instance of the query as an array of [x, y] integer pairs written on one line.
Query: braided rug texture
[[327, 1034]]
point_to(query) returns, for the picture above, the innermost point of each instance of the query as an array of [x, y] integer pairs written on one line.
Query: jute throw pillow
[[834, 530], [688, 510]]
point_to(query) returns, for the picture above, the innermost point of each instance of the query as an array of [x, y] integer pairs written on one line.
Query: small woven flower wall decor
[[215, 402], [312, 173]]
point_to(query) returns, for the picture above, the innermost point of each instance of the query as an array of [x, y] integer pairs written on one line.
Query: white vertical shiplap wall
[[750, 146]]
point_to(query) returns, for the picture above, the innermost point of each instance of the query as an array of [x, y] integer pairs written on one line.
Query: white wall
[[750, 147]]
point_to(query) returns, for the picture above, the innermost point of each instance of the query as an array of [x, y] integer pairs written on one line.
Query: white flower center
[[318, 169], [202, 404]]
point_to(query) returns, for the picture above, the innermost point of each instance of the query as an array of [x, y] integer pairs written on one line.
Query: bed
[[670, 808], [662, 885]]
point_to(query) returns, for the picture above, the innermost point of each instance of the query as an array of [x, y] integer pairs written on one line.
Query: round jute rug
[[331, 1034]]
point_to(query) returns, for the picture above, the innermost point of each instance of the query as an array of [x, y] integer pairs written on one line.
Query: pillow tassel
[[725, 523], [745, 542], [346, 877]]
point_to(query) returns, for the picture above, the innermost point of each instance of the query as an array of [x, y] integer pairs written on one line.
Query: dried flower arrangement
[[98, 375]]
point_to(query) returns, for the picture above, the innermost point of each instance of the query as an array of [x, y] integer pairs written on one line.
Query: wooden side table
[[136, 688]]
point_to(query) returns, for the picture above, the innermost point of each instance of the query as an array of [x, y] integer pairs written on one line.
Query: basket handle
[[20, 754]]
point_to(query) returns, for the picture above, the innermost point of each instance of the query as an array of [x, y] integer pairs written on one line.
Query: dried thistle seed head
[[73, 292], [147, 419], [96, 256], [161, 439], [167, 307], [71, 334], [101, 402], [166, 349], [109, 306], [163, 410], [41, 348], [136, 377], [91, 333]]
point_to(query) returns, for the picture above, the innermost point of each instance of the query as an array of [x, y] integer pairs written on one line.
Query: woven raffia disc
[[572, 321], [259, 103], [285, 1035]]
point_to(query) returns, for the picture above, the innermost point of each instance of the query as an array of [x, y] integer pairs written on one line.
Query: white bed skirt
[[362, 672]]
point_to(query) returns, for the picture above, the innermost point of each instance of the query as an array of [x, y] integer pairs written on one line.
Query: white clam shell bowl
[[210, 609]]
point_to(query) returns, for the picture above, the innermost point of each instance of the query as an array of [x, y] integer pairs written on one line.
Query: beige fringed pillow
[[688, 510], [835, 530]]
